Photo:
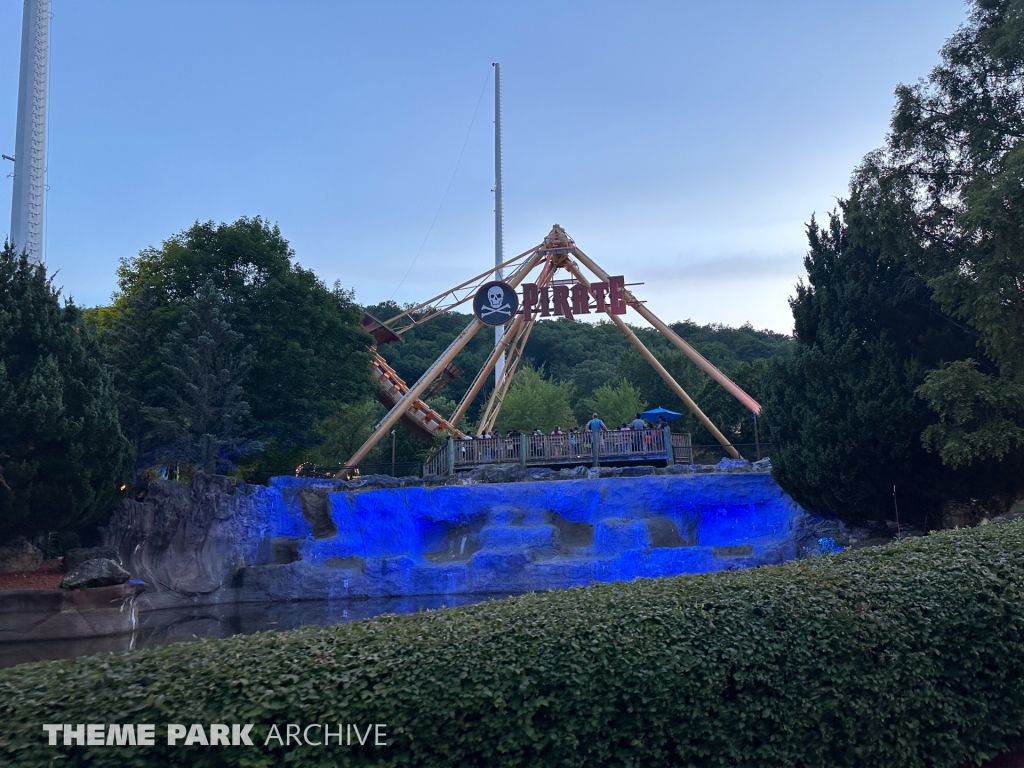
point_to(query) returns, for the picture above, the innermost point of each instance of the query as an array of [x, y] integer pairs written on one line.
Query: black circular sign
[[495, 303]]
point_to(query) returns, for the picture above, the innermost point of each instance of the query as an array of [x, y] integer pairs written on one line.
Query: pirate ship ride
[[588, 289]]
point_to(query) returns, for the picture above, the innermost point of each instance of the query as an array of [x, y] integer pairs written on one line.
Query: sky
[[683, 144]]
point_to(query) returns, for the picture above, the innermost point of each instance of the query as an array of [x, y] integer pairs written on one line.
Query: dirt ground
[[47, 576]]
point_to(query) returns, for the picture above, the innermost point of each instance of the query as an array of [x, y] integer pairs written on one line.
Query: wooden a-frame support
[[497, 398], [490, 412], [417, 389], [516, 336], [512, 334], [660, 369], [676, 341]]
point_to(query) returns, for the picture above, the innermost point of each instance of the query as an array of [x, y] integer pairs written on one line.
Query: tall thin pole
[[393, 435], [499, 226], [27, 202]]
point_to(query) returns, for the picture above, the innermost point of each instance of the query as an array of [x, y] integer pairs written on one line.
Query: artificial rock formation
[[189, 540], [304, 538], [20, 556], [98, 572]]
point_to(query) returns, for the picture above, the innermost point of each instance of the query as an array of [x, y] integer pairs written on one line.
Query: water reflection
[[176, 625]]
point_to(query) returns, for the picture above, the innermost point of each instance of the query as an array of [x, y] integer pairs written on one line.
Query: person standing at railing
[[596, 427], [639, 426], [558, 441], [623, 438], [512, 444]]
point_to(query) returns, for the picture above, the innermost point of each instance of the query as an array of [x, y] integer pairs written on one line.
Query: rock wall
[[187, 542], [312, 539]]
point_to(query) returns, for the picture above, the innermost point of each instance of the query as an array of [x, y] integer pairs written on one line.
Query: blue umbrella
[[660, 414]]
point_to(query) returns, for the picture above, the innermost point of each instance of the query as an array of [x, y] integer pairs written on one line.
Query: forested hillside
[[575, 360]]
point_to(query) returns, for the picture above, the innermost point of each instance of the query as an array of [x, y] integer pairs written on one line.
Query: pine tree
[[128, 346], [204, 361], [845, 422], [63, 455]]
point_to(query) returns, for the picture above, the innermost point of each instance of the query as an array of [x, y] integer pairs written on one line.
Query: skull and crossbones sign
[[496, 298]]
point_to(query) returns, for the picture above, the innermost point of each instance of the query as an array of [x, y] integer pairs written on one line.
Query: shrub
[[907, 655]]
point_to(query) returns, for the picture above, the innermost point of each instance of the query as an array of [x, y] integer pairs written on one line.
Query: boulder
[[95, 573], [677, 469], [20, 556], [573, 473], [637, 471], [499, 473], [541, 473], [372, 483], [731, 465], [75, 557]]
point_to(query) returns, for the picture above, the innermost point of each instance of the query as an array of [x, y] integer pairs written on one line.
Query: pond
[[176, 625]]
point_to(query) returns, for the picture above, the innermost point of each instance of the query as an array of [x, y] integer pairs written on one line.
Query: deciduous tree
[[308, 352], [950, 186], [534, 401]]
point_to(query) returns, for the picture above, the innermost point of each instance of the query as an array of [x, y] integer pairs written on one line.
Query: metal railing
[[682, 451], [571, 448]]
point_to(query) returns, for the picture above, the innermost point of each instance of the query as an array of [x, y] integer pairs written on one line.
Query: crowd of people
[[635, 437]]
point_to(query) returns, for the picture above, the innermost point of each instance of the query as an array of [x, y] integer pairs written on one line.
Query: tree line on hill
[[902, 388]]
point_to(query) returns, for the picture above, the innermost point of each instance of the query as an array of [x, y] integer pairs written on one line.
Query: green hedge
[[907, 655]]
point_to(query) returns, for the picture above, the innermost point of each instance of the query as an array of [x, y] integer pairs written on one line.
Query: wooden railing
[[571, 448]]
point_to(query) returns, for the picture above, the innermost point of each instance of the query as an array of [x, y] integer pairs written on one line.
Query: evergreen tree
[[845, 423], [205, 364], [131, 337], [63, 455]]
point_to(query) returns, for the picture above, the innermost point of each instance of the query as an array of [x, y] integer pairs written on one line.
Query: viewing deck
[[619, 448]]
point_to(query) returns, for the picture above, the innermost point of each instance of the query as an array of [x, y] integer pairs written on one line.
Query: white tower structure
[[499, 225], [28, 202]]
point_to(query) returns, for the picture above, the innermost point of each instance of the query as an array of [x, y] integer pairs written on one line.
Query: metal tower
[[27, 205], [499, 233]]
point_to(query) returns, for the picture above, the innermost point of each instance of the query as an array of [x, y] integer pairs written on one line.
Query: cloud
[[735, 269]]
